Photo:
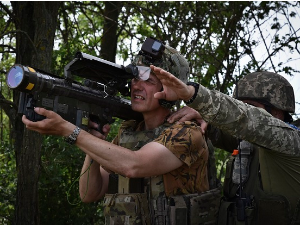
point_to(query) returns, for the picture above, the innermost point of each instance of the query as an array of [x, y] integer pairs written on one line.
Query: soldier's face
[[142, 94]]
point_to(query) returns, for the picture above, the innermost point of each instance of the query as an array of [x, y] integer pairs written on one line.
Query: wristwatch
[[71, 139], [196, 86]]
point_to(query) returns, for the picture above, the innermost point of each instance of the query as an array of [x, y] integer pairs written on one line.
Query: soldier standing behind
[[262, 181]]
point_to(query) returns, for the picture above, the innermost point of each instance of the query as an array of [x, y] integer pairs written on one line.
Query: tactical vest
[[245, 202], [143, 200]]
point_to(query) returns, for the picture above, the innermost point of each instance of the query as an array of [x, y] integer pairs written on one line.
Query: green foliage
[[114, 129], [60, 171], [7, 182], [59, 195], [221, 160]]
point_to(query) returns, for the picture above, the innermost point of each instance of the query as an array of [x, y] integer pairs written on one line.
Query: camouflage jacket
[[186, 142], [277, 143]]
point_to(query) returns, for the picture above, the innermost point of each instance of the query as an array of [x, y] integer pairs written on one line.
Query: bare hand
[[54, 124], [173, 88], [188, 114], [93, 130]]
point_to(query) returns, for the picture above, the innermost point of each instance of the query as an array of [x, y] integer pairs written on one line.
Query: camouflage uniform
[[271, 186]]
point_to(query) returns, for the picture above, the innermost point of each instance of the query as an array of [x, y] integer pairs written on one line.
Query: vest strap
[[130, 185]]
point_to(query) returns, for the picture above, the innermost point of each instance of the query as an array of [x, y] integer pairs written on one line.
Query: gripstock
[[94, 98]]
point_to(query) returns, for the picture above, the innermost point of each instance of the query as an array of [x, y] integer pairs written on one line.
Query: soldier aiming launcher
[[94, 99]]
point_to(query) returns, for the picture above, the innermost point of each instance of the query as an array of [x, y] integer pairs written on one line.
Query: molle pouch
[[126, 209], [195, 209], [242, 163], [204, 208], [178, 211]]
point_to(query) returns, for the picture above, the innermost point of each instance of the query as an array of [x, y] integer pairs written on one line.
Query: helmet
[[170, 61], [267, 87]]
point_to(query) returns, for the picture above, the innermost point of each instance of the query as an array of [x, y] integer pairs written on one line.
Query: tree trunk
[[36, 26], [110, 37]]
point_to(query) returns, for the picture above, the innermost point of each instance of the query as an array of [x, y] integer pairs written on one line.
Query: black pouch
[[196, 208]]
